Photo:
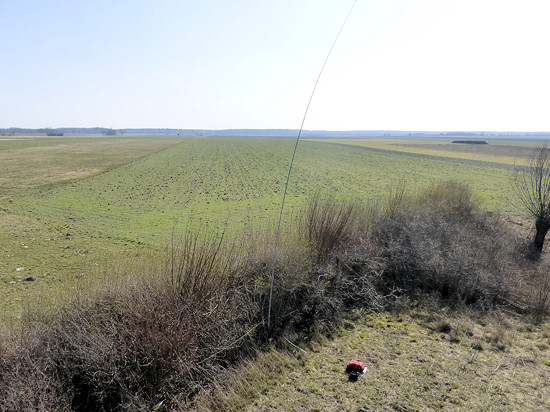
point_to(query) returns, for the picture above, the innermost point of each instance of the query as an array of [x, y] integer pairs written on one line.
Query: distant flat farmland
[[28, 162], [507, 152], [73, 208]]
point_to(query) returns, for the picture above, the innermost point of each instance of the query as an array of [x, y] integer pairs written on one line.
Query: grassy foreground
[[420, 361]]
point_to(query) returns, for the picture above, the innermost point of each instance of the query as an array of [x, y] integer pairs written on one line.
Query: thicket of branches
[[170, 328], [532, 187]]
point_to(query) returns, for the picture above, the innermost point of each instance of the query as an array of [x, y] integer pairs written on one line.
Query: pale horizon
[[401, 65]]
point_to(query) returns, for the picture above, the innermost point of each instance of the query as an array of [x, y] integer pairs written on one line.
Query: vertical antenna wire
[[292, 162]]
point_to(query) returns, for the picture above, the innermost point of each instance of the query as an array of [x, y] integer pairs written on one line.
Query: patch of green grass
[[56, 253], [28, 163], [233, 182], [55, 256], [413, 366]]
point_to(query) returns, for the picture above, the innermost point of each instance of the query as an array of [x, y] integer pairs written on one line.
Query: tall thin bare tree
[[532, 187]]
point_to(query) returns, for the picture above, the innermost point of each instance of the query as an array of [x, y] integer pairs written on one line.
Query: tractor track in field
[[427, 156]]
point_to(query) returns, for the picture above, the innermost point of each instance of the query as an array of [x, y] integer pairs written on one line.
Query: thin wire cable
[[292, 163]]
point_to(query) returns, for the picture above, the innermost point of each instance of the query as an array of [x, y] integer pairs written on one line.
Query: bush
[[440, 242], [532, 289], [326, 223], [426, 251], [135, 344], [448, 197]]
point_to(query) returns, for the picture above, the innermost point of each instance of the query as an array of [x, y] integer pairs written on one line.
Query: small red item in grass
[[355, 369]]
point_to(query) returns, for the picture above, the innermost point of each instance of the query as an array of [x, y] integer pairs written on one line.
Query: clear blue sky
[[215, 64]]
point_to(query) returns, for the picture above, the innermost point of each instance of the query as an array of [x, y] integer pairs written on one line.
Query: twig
[[297, 347]]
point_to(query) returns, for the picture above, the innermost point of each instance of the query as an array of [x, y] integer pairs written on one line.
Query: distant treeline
[[61, 131], [470, 141], [265, 132]]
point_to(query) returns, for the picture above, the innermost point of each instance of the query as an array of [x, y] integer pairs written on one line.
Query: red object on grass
[[354, 366]]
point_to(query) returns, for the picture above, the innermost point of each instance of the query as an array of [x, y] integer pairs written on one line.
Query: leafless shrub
[[24, 382], [541, 303], [395, 201], [450, 197], [439, 244], [325, 224], [536, 290], [138, 343], [199, 268]]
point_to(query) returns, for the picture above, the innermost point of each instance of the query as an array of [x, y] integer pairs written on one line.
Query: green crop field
[[71, 207]]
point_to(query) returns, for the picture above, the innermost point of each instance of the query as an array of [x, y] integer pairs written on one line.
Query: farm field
[[31, 162], [506, 152], [31, 165], [72, 208]]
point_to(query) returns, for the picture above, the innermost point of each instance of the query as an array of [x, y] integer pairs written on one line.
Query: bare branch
[[532, 186]]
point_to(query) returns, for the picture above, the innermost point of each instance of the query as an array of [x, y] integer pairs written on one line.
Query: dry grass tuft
[[326, 224]]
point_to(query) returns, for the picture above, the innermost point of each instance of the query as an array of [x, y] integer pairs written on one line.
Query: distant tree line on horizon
[[265, 132], [11, 131]]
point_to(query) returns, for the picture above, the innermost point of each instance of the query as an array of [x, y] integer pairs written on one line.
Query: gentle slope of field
[[89, 199], [53, 251]]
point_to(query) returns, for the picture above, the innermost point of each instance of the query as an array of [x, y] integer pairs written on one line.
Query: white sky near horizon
[[216, 64]]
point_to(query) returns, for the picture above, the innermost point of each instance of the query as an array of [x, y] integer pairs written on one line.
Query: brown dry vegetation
[[166, 330]]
